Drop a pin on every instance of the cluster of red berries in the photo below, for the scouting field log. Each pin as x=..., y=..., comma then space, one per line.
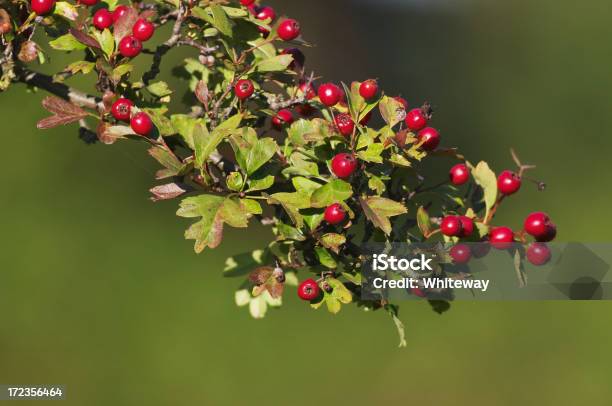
x=140, y=122
x=287, y=30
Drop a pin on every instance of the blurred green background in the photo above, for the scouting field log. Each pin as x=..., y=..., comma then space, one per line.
x=100, y=292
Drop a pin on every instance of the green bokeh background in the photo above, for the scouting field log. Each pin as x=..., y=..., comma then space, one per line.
x=100, y=292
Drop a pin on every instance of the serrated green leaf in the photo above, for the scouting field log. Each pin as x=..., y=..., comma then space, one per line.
x=333, y=241
x=423, y=221
x=106, y=40
x=335, y=191
x=66, y=42
x=325, y=258
x=292, y=203
x=378, y=210
x=66, y=10
x=263, y=150
x=260, y=184
x=276, y=63
x=220, y=20
x=304, y=184
x=80, y=66
x=372, y=153
x=486, y=179
x=120, y=71
x=159, y=89
x=391, y=110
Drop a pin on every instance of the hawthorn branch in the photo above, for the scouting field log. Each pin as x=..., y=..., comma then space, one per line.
x=66, y=92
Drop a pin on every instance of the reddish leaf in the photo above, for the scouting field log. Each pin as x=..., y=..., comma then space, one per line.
x=85, y=39
x=167, y=191
x=201, y=92
x=124, y=25
x=65, y=113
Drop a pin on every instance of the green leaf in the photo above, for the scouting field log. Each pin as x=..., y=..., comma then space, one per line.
x=252, y=206
x=379, y=209
x=355, y=279
x=106, y=40
x=159, y=89
x=120, y=71
x=372, y=153
x=304, y=184
x=290, y=233
x=292, y=203
x=220, y=20
x=215, y=211
x=393, y=312
x=260, y=184
x=80, y=66
x=235, y=181
x=335, y=191
x=66, y=42
x=333, y=241
x=340, y=292
x=66, y=10
x=299, y=130
x=173, y=166
x=162, y=123
x=486, y=179
x=276, y=63
x=391, y=110
x=263, y=150
x=325, y=258
x=235, y=12
x=184, y=125
x=376, y=183
x=205, y=144
x=423, y=221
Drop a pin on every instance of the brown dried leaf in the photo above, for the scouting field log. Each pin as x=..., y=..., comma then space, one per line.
x=65, y=113
x=201, y=92
x=124, y=25
x=84, y=38
x=167, y=191
x=28, y=52
x=261, y=275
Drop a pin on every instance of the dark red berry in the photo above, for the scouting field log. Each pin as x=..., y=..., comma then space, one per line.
x=129, y=46
x=119, y=12
x=102, y=19
x=551, y=233
x=264, y=13
x=143, y=30
x=366, y=119
x=304, y=109
x=329, y=94
x=343, y=165
x=121, y=109
x=501, y=237
x=459, y=174
x=460, y=254
x=335, y=214
x=298, y=58
x=538, y=254
x=430, y=137
x=244, y=89
x=508, y=182
x=42, y=7
x=89, y=2
x=416, y=120
x=288, y=30
x=282, y=118
x=309, y=290
x=141, y=123
x=247, y=2
x=402, y=101
x=536, y=224
x=467, y=226
x=344, y=124
x=417, y=292
x=368, y=89
x=451, y=226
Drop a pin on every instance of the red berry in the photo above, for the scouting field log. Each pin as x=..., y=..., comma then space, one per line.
x=129, y=46
x=102, y=19
x=460, y=254
x=329, y=94
x=430, y=137
x=501, y=238
x=343, y=165
x=538, y=253
x=335, y=214
x=459, y=174
x=288, y=30
x=551, y=233
x=402, y=101
x=536, y=224
x=308, y=90
x=42, y=7
x=247, y=2
x=143, y=29
x=282, y=118
x=304, y=109
x=308, y=290
x=368, y=89
x=244, y=89
x=119, y=12
x=298, y=58
x=451, y=226
x=344, y=123
x=416, y=120
x=467, y=226
x=121, y=109
x=89, y=2
x=141, y=123
x=508, y=182
x=417, y=292
x=264, y=13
